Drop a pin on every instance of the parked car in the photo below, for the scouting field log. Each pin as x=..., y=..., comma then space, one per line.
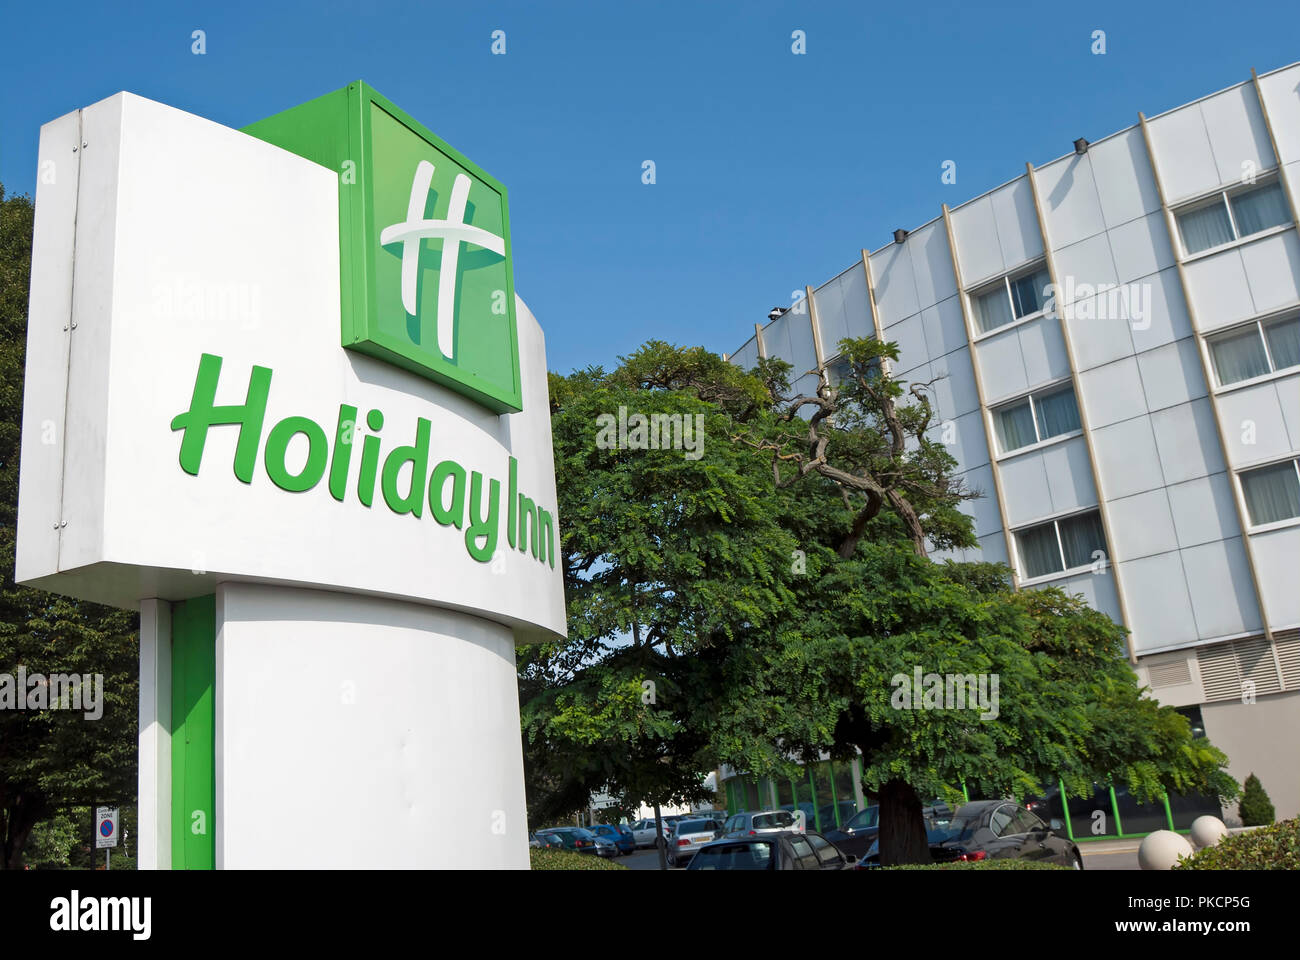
x=544, y=839
x=689, y=835
x=643, y=833
x=785, y=850
x=622, y=838
x=752, y=824
x=575, y=838
x=995, y=829
x=856, y=834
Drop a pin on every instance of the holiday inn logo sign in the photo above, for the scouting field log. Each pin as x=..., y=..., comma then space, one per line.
x=528, y=525
x=424, y=243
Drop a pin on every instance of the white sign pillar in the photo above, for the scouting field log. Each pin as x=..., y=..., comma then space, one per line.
x=333, y=578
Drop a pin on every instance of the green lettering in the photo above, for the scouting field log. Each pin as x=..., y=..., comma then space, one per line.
x=480, y=525
x=418, y=457
x=455, y=513
x=277, y=444
x=343, y=434
x=202, y=414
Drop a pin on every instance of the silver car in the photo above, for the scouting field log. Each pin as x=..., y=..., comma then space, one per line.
x=756, y=823
x=687, y=836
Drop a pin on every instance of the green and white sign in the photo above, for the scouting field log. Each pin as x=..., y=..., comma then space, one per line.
x=424, y=243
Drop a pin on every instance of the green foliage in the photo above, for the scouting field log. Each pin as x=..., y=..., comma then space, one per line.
x=669, y=556
x=50, y=759
x=1255, y=808
x=775, y=590
x=1274, y=847
x=553, y=858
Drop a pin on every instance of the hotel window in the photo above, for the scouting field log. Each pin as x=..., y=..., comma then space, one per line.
x=1272, y=493
x=1060, y=545
x=1014, y=297
x=1263, y=347
x=1229, y=216
x=1037, y=417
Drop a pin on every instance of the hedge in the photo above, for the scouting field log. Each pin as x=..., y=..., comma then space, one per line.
x=1275, y=847
x=554, y=858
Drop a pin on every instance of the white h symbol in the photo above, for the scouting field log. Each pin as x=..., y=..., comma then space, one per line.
x=453, y=232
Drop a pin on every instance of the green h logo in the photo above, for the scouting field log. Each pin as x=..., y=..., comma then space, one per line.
x=424, y=243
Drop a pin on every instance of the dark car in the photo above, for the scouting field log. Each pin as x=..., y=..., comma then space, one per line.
x=772, y=851
x=621, y=836
x=993, y=830
x=856, y=834
x=574, y=838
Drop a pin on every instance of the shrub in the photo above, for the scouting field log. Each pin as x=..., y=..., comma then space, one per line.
x=1275, y=847
x=1255, y=808
x=553, y=858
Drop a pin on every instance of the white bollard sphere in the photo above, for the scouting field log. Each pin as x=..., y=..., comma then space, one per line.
x=1207, y=831
x=1161, y=850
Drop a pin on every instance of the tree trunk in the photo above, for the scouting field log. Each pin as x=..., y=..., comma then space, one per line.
x=902, y=827
x=660, y=844
x=23, y=813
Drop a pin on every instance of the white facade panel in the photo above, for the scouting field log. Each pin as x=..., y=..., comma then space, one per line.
x=1187, y=439
x=1203, y=510
x=931, y=264
x=1157, y=310
x=1127, y=458
x=1238, y=137
x=1288, y=395
x=1219, y=291
x=1272, y=268
x=1069, y=475
x=1017, y=222
x=945, y=327
x=1141, y=526
x=1141, y=247
x=968, y=448
x=1275, y=560
x=1159, y=607
x=1112, y=393
x=1042, y=346
x=1002, y=367
x=1279, y=91
x=909, y=334
x=979, y=251
x=1253, y=426
x=1082, y=267
x=984, y=510
x=1122, y=172
x=1097, y=590
x=1025, y=488
x=1223, y=595
x=1071, y=206
x=1172, y=374
x=1099, y=331
x=1183, y=152
x=956, y=384
x=891, y=272
x=993, y=549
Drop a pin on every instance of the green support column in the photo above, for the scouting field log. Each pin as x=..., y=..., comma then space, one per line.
x=812, y=786
x=194, y=668
x=965, y=794
x=1065, y=811
x=1169, y=814
x=835, y=796
x=1114, y=808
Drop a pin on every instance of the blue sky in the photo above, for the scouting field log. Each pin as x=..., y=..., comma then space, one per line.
x=772, y=169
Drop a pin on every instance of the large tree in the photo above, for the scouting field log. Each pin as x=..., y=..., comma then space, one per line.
x=51, y=760
x=858, y=487
x=672, y=550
